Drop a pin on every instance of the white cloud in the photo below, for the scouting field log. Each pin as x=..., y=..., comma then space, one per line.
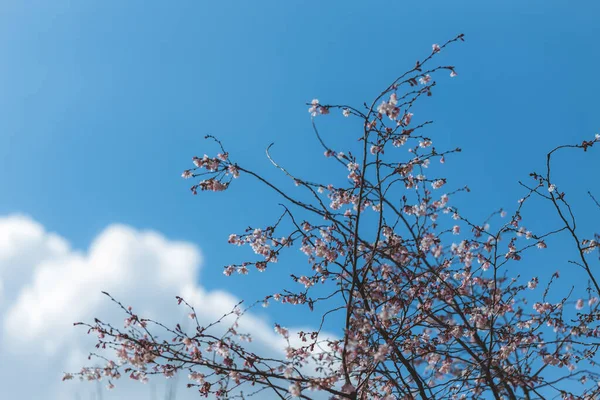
x=66, y=287
x=46, y=286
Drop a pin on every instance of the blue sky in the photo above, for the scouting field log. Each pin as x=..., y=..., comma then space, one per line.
x=103, y=104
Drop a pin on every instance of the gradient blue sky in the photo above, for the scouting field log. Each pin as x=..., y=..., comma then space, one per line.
x=103, y=103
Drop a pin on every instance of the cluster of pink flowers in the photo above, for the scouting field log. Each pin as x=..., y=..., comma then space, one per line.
x=219, y=167
x=390, y=107
x=317, y=109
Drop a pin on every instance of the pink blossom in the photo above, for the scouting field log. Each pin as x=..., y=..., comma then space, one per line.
x=316, y=109
x=229, y=270
x=532, y=284
x=295, y=390
x=282, y=331
x=233, y=170
x=313, y=110
x=376, y=149
x=389, y=107
x=438, y=183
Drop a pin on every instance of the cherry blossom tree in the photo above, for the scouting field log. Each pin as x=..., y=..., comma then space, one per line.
x=428, y=302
